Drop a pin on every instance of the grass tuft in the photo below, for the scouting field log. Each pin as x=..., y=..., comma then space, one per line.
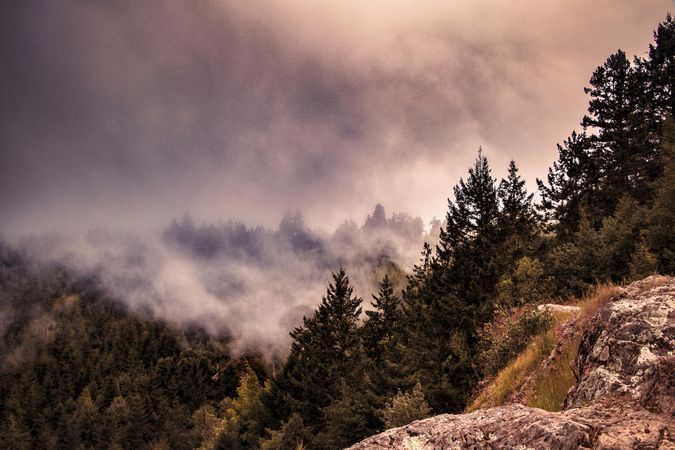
x=513, y=376
x=553, y=384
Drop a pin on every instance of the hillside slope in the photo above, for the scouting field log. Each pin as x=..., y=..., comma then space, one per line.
x=624, y=396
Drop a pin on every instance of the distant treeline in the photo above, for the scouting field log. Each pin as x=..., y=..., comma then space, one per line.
x=105, y=379
x=379, y=239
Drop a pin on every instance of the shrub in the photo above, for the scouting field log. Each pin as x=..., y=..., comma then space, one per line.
x=515, y=374
x=406, y=407
x=503, y=339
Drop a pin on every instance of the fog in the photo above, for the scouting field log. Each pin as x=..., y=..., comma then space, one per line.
x=118, y=117
x=250, y=285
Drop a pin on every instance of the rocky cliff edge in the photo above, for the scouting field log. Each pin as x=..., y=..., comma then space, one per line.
x=624, y=397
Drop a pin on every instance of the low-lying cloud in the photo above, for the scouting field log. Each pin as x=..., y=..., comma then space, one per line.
x=251, y=285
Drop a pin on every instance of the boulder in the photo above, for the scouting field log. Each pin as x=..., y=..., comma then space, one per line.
x=627, y=349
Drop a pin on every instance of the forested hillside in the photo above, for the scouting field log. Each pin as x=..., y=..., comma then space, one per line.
x=81, y=371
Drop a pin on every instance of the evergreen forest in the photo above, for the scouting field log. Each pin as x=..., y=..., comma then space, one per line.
x=81, y=371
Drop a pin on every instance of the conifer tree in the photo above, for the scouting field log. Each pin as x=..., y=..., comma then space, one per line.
x=618, y=239
x=466, y=252
x=661, y=218
x=379, y=328
x=623, y=140
x=449, y=295
x=568, y=184
x=619, y=151
x=659, y=71
x=517, y=212
x=326, y=353
x=377, y=220
x=517, y=223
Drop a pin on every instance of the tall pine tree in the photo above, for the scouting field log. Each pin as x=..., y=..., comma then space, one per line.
x=326, y=357
x=518, y=221
x=466, y=251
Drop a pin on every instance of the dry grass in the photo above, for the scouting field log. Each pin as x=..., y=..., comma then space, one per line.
x=513, y=376
x=590, y=304
x=549, y=385
x=552, y=384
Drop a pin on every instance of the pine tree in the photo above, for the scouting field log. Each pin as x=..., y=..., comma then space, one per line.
x=622, y=143
x=449, y=295
x=326, y=352
x=517, y=212
x=573, y=265
x=378, y=220
x=465, y=256
x=568, y=185
x=619, y=151
x=517, y=225
x=13, y=434
x=382, y=320
x=659, y=71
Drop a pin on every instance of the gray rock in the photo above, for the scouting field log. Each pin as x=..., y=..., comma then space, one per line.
x=552, y=307
x=625, y=396
x=601, y=426
x=627, y=349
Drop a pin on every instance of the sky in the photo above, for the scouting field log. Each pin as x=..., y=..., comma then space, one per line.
x=126, y=114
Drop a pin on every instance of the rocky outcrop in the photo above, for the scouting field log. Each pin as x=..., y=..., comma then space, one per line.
x=602, y=426
x=627, y=349
x=624, y=397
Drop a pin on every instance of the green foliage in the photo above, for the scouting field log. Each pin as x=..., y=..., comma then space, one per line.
x=526, y=284
x=239, y=422
x=617, y=239
x=80, y=372
x=659, y=234
x=568, y=185
x=448, y=294
x=507, y=336
x=14, y=435
x=382, y=321
x=348, y=419
x=642, y=263
x=234, y=422
x=620, y=152
x=326, y=356
x=406, y=407
x=465, y=258
x=518, y=223
x=291, y=436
